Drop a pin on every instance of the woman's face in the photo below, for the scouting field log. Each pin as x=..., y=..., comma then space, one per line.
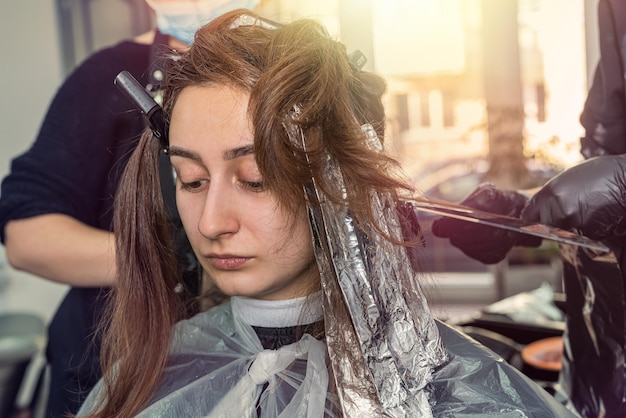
x=245, y=241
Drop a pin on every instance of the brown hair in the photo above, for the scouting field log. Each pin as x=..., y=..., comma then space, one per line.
x=295, y=65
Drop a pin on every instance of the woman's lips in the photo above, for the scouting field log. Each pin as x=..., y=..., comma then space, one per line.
x=227, y=262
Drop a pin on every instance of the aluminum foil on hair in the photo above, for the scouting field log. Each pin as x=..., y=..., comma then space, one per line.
x=394, y=335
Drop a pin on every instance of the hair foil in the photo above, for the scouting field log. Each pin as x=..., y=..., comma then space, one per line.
x=397, y=344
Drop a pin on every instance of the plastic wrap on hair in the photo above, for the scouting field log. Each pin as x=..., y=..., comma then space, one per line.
x=394, y=332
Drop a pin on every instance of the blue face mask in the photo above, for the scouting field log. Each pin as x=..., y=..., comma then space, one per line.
x=181, y=19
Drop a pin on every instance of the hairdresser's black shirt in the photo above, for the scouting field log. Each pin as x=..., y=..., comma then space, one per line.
x=73, y=168
x=604, y=113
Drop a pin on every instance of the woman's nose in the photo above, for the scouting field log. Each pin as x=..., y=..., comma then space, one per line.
x=220, y=215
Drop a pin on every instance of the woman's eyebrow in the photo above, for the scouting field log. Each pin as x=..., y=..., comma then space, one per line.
x=228, y=155
x=175, y=151
x=238, y=152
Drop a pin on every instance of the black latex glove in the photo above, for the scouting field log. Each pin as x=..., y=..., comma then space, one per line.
x=481, y=242
x=590, y=197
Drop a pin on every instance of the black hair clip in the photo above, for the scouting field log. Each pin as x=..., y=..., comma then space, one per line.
x=140, y=98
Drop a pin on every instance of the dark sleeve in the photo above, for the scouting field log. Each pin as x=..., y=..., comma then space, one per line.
x=604, y=112
x=73, y=166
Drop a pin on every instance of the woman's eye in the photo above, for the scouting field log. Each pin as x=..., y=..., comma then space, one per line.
x=254, y=186
x=192, y=186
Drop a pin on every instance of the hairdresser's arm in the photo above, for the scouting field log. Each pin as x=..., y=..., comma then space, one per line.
x=60, y=248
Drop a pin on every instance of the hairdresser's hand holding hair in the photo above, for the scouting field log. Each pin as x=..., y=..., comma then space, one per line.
x=589, y=197
x=484, y=243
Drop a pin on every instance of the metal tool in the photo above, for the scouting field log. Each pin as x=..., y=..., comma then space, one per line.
x=456, y=211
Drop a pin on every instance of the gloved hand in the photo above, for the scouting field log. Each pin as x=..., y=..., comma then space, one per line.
x=590, y=197
x=481, y=242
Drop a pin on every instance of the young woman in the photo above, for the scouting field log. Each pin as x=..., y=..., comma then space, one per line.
x=292, y=210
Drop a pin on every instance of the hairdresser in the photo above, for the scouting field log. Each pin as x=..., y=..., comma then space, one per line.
x=56, y=205
x=589, y=197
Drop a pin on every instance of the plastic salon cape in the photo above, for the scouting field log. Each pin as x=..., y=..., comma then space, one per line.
x=219, y=369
